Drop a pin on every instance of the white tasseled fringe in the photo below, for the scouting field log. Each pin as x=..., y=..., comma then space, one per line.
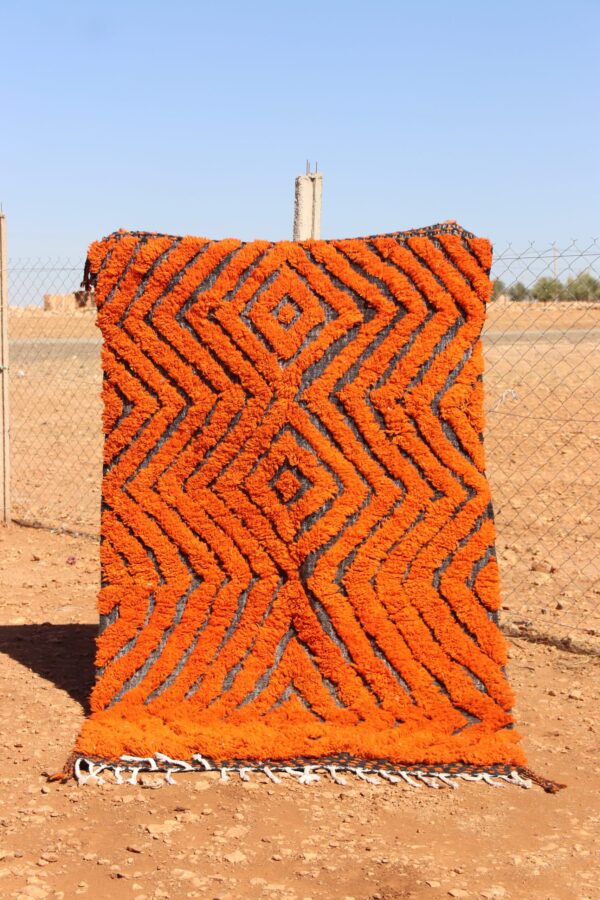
x=87, y=770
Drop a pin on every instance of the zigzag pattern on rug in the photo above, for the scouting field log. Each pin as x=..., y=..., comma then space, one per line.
x=297, y=534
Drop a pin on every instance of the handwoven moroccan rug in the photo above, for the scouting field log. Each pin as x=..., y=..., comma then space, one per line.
x=298, y=563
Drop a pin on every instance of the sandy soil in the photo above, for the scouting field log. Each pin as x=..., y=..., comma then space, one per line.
x=542, y=383
x=234, y=841
x=543, y=410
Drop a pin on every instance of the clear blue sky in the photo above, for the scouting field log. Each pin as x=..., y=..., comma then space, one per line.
x=194, y=117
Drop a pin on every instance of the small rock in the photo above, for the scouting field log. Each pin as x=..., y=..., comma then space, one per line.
x=188, y=817
x=236, y=857
x=167, y=827
x=183, y=874
x=35, y=891
x=236, y=831
x=541, y=578
x=150, y=781
x=202, y=785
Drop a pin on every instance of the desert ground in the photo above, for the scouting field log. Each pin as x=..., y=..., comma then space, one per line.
x=235, y=840
x=206, y=839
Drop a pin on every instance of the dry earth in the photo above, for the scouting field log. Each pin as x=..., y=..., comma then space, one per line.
x=234, y=841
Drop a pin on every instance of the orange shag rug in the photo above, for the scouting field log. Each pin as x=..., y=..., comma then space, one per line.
x=298, y=563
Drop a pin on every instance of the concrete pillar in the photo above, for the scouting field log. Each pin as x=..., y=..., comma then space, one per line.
x=4, y=405
x=307, y=207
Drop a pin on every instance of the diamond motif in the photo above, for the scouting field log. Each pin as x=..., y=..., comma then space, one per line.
x=287, y=312
x=291, y=456
x=287, y=289
x=289, y=481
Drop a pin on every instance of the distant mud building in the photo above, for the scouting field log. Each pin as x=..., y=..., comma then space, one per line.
x=69, y=302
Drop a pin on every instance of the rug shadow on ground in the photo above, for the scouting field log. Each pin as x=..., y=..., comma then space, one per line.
x=62, y=654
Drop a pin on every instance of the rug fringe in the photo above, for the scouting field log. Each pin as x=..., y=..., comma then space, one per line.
x=551, y=787
x=96, y=771
x=68, y=770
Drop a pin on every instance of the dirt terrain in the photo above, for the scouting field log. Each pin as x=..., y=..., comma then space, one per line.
x=205, y=839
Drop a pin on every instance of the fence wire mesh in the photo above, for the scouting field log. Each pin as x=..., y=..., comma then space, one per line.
x=542, y=379
x=55, y=407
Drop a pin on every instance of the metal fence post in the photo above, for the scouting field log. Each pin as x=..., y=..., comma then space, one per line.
x=4, y=381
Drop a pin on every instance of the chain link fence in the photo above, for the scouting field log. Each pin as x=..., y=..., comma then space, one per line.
x=55, y=406
x=542, y=383
x=542, y=380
